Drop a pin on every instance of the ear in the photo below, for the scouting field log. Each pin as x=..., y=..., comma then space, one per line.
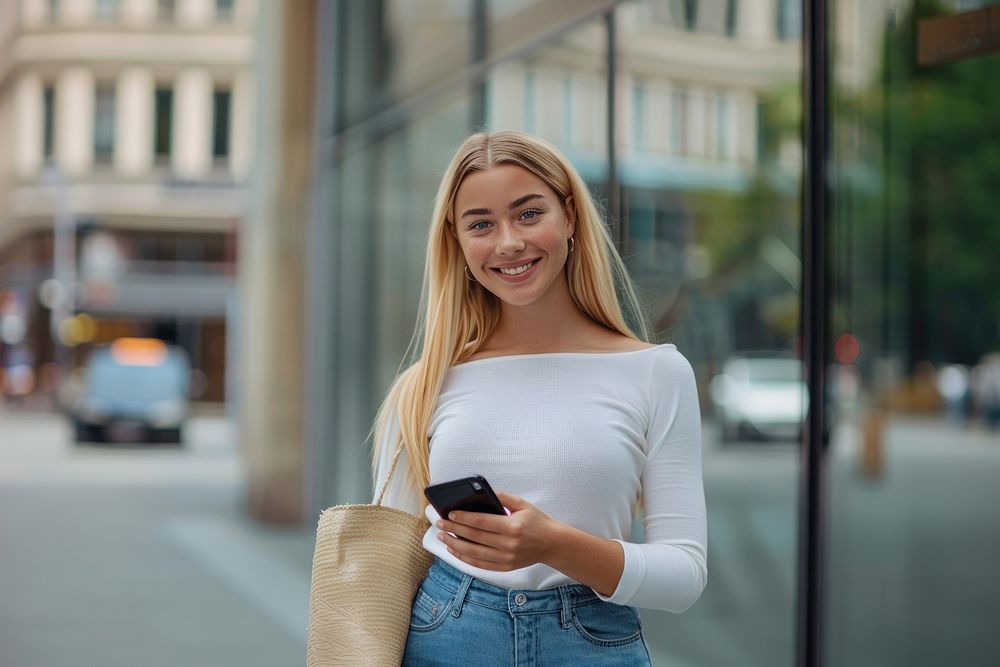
x=570, y=210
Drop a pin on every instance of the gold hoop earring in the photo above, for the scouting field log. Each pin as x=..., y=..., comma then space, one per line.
x=572, y=245
x=469, y=275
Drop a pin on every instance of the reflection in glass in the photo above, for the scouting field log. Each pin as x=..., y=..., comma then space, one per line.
x=709, y=161
x=915, y=458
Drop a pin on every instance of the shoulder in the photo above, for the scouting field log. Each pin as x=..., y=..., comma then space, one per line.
x=670, y=369
x=604, y=340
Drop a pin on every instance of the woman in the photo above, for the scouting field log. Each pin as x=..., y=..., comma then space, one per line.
x=531, y=375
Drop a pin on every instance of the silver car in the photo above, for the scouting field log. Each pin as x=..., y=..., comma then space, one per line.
x=760, y=397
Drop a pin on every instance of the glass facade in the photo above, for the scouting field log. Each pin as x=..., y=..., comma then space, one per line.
x=914, y=335
x=221, y=114
x=163, y=123
x=685, y=118
x=104, y=124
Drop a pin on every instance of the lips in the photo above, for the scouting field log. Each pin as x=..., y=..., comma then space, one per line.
x=514, y=269
x=517, y=277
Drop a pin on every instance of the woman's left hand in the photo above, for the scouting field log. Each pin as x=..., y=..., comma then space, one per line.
x=501, y=543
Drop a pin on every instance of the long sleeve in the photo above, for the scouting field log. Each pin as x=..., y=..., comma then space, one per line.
x=402, y=494
x=669, y=571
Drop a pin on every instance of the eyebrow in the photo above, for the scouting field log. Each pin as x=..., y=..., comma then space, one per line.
x=514, y=204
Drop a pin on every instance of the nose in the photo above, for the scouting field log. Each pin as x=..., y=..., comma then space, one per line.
x=510, y=242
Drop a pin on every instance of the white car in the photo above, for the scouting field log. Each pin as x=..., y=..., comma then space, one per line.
x=760, y=397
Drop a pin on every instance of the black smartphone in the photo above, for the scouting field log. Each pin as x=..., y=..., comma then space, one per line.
x=468, y=494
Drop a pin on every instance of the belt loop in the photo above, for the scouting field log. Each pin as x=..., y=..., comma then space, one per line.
x=566, y=615
x=456, y=609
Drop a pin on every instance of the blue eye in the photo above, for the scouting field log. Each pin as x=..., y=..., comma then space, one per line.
x=476, y=225
x=531, y=214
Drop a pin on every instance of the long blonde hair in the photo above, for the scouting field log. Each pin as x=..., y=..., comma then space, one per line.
x=459, y=314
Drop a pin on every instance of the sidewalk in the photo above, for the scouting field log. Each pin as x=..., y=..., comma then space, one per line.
x=141, y=556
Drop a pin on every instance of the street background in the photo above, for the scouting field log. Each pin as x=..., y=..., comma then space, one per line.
x=119, y=555
x=221, y=207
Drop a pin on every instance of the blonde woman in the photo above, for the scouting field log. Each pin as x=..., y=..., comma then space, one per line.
x=534, y=372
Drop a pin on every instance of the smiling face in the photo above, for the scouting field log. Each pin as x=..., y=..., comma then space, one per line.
x=513, y=230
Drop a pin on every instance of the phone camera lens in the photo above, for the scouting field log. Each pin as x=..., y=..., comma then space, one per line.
x=476, y=486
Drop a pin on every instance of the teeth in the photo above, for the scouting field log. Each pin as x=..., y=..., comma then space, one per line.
x=517, y=270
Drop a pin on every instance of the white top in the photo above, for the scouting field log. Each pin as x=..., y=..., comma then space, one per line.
x=584, y=437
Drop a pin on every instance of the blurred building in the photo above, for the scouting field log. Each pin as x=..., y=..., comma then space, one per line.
x=126, y=130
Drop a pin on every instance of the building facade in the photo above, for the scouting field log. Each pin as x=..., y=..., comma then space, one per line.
x=127, y=130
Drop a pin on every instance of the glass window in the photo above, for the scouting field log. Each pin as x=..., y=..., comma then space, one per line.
x=223, y=10
x=731, y=17
x=561, y=89
x=106, y=9
x=638, y=117
x=48, y=121
x=400, y=49
x=713, y=245
x=678, y=114
x=721, y=134
x=165, y=10
x=163, y=123
x=220, y=123
x=914, y=461
x=790, y=19
x=104, y=124
x=691, y=14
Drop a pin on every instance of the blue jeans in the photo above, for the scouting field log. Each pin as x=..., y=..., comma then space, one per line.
x=460, y=620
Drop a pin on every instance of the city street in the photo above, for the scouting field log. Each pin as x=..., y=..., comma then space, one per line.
x=119, y=555
x=911, y=562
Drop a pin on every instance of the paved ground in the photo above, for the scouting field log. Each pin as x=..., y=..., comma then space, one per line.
x=134, y=556
x=125, y=556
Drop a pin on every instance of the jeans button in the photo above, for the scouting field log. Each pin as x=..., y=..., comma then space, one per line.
x=520, y=599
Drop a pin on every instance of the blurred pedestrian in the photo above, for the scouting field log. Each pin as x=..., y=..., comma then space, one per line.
x=986, y=389
x=534, y=372
x=953, y=385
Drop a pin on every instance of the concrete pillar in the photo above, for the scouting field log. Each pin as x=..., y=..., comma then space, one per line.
x=695, y=138
x=137, y=12
x=74, y=131
x=192, y=129
x=745, y=103
x=272, y=265
x=660, y=110
x=626, y=129
x=241, y=131
x=731, y=149
x=195, y=12
x=34, y=13
x=29, y=125
x=134, y=122
x=76, y=12
x=757, y=20
x=244, y=11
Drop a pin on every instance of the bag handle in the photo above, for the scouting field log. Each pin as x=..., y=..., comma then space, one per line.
x=388, y=478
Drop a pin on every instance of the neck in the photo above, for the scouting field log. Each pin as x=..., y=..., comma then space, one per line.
x=552, y=323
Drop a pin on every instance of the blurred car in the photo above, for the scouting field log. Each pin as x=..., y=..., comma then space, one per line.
x=760, y=397
x=134, y=390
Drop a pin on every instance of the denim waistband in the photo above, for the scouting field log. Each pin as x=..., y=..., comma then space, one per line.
x=468, y=589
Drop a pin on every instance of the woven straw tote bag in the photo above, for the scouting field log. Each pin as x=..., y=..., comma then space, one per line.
x=367, y=566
